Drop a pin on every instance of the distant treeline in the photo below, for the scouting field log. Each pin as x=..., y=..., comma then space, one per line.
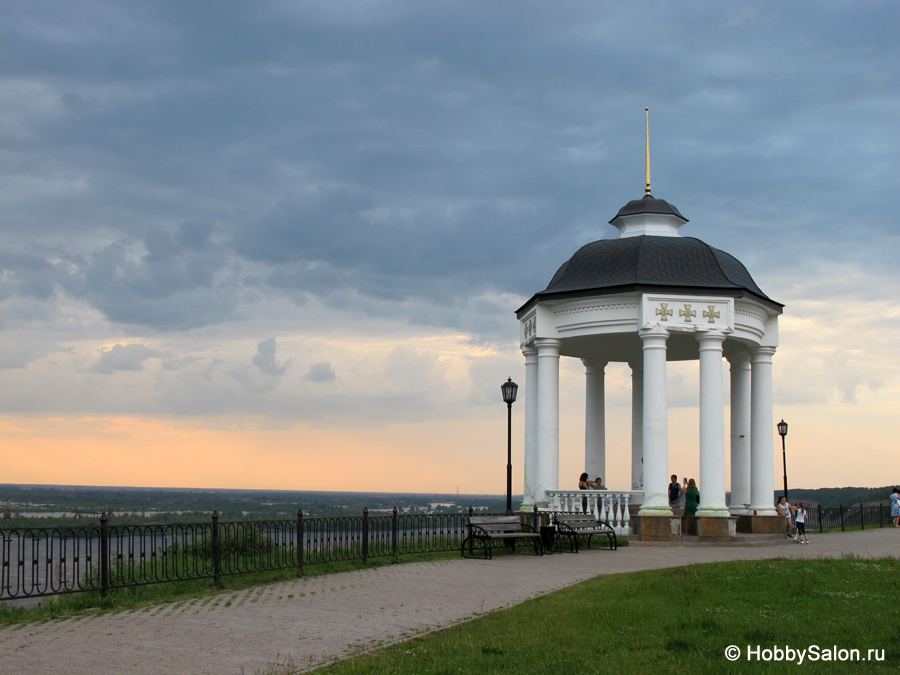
x=169, y=505
x=834, y=497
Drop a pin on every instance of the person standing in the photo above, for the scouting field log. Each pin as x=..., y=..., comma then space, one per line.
x=674, y=491
x=584, y=483
x=800, y=513
x=785, y=509
x=691, y=499
x=895, y=506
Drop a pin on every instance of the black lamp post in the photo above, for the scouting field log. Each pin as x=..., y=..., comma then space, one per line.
x=509, y=389
x=782, y=430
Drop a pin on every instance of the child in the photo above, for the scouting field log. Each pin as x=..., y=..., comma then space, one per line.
x=800, y=521
x=785, y=509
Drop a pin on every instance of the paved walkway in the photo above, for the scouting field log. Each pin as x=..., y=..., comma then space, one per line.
x=319, y=619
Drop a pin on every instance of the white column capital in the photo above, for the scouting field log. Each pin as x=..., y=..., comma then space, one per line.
x=547, y=346
x=592, y=366
x=710, y=339
x=531, y=354
x=653, y=334
x=762, y=354
x=739, y=360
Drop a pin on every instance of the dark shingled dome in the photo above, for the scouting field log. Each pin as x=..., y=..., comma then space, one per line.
x=649, y=204
x=651, y=264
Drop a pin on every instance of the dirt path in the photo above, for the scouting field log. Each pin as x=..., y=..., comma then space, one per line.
x=323, y=618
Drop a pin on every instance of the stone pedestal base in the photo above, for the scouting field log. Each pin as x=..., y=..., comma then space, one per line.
x=710, y=529
x=760, y=524
x=657, y=528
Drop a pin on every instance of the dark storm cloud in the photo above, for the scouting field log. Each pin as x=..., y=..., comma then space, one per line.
x=425, y=153
x=180, y=280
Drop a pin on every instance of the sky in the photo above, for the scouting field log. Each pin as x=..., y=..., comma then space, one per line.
x=280, y=244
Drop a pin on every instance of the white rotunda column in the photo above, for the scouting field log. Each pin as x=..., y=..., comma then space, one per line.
x=637, y=425
x=595, y=418
x=531, y=413
x=740, y=432
x=712, y=426
x=547, y=418
x=655, y=423
x=762, y=462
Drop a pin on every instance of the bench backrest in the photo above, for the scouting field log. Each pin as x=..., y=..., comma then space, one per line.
x=497, y=523
x=577, y=520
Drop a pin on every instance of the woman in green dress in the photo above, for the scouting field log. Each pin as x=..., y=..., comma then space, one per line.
x=691, y=499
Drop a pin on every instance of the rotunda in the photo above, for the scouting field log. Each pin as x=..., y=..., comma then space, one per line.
x=649, y=297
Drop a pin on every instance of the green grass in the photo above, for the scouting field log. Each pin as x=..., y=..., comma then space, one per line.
x=75, y=604
x=669, y=622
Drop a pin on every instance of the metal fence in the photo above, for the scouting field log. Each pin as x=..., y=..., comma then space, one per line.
x=857, y=517
x=57, y=560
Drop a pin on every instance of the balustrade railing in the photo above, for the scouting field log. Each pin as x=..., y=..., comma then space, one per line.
x=610, y=506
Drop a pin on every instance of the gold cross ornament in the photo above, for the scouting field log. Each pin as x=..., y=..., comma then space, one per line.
x=687, y=313
x=712, y=314
x=663, y=311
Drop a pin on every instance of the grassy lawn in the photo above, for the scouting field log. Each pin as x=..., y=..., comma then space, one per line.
x=671, y=621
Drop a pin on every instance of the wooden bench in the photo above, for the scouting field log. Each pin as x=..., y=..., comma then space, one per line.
x=574, y=525
x=488, y=529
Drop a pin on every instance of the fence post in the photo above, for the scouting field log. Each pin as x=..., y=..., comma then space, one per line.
x=104, y=555
x=880, y=515
x=862, y=517
x=471, y=511
x=841, y=507
x=535, y=523
x=217, y=568
x=300, y=546
x=821, y=527
x=394, y=533
x=365, y=536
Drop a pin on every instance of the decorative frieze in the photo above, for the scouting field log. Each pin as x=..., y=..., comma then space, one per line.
x=597, y=308
x=687, y=312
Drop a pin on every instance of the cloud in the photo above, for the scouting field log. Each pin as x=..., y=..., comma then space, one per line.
x=320, y=372
x=123, y=357
x=265, y=361
x=21, y=354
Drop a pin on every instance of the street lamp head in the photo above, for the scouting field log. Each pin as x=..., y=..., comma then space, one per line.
x=509, y=389
x=782, y=428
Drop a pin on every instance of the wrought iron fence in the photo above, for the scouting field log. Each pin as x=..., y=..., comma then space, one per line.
x=53, y=561
x=857, y=517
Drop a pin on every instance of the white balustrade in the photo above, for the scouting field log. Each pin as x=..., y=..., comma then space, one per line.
x=609, y=506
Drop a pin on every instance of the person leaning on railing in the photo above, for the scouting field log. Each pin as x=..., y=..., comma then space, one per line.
x=584, y=483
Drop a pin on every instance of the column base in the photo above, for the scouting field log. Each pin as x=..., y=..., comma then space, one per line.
x=714, y=528
x=527, y=507
x=760, y=524
x=739, y=511
x=762, y=511
x=712, y=512
x=657, y=528
x=662, y=511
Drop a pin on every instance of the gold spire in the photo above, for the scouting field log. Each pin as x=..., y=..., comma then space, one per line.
x=647, y=186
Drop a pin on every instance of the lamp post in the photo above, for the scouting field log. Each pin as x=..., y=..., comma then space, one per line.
x=782, y=430
x=509, y=389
